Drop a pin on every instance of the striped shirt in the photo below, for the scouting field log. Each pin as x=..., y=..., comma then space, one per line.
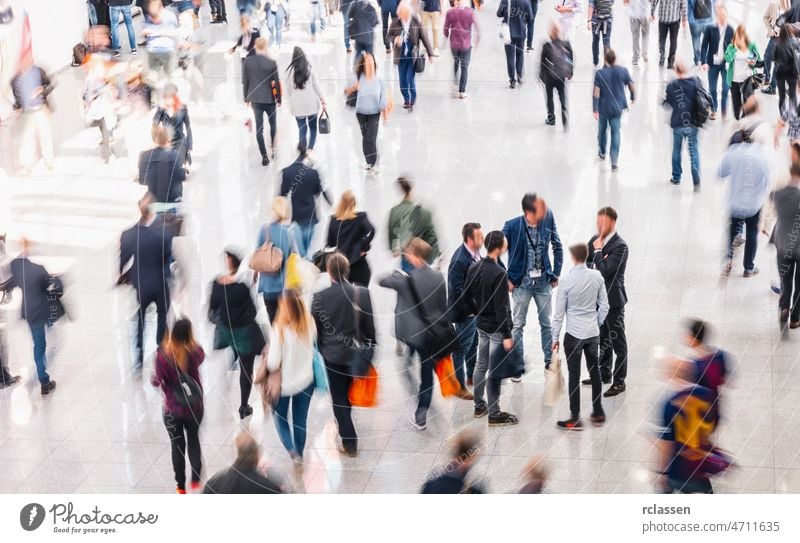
x=669, y=11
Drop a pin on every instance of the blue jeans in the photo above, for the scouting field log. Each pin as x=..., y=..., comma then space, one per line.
x=114, y=13
x=465, y=353
x=678, y=135
x=541, y=292
x=306, y=233
x=600, y=28
x=306, y=125
x=40, y=350
x=316, y=15
x=346, y=24
x=609, y=123
x=408, y=86
x=363, y=45
x=275, y=24
x=487, y=345
x=716, y=72
x=425, y=394
x=751, y=238
x=294, y=437
x=92, y=13
x=696, y=30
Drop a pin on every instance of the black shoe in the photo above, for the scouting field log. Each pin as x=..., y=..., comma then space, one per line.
x=601, y=156
x=350, y=453
x=48, y=388
x=615, y=390
x=570, y=424
x=589, y=381
x=529, y=49
x=768, y=91
x=550, y=122
x=598, y=419
x=481, y=412
x=245, y=411
x=675, y=181
x=265, y=160
x=512, y=84
x=11, y=381
x=418, y=421
x=503, y=419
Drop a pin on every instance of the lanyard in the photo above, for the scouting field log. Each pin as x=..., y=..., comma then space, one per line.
x=535, y=246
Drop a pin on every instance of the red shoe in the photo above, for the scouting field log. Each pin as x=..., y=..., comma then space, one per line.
x=180, y=491
x=195, y=486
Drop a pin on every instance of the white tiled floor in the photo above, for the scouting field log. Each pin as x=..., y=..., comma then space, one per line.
x=102, y=432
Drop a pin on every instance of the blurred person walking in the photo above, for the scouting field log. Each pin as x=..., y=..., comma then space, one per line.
x=453, y=478
x=600, y=19
x=388, y=15
x=786, y=74
x=581, y=301
x=173, y=114
x=741, y=58
x=567, y=12
x=639, y=17
x=556, y=68
x=716, y=39
x=305, y=97
x=535, y=476
x=121, y=9
x=515, y=14
x=786, y=202
x=531, y=25
x=244, y=476
x=161, y=170
x=219, y=13
x=31, y=88
x=277, y=14
x=160, y=32
x=670, y=15
x=609, y=103
x=458, y=24
x=6, y=286
x=246, y=43
x=363, y=20
x=262, y=92
x=177, y=374
x=351, y=233
x=770, y=19
x=431, y=18
x=699, y=14
x=683, y=96
x=409, y=219
x=708, y=365
x=370, y=102
x=406, y=33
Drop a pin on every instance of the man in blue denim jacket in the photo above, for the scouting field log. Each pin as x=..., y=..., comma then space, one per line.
x=530, y=272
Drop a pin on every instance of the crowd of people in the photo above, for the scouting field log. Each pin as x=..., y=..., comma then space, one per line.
x=466, y=326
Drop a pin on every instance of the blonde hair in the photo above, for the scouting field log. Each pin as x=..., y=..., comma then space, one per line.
x=282, y=209
x=346, y=209
x=261, y=44
x=741, y=32
x=292, y=315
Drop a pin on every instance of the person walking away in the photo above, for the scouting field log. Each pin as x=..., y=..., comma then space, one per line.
x=583, y=303
x=485, y=289
x=608, y=254
x=262, y=91
x=770, y=19
x=567, y=12
x=301, y=183
x=161, y=170
x=786, y=74
x=286, y=237
x=173, y=114
x=121, y=9
x=100, y=101
x=177, y=374
x=515, y=14
x=344, y=7
x=789, y=120
x=716, y=38
x=786, y=202
x=453, y=479
x=682, y=96
x=351, y=233
x=406, y=33
x=431, y=15
x=160, y=32
x=699, y=14
x=531, y=274
x=231, y=309
x=363, y=20
x=609, y=103
x=461, y=315
x=670, y=15
x=277, y=14
x=305, y=97
x=741, y=57
x=291, y=352
x=458, y=24
x=707, y=365
x=219, y=13
x=409, y=219
x=639, y=16
x=317, y=19
x=600, y=21
x=371, y=103
x=34, y=282
x=530, y=26
x=339, y=327
x=31, y=88
x=243, y=477
x=388, y=14
x=556, y=68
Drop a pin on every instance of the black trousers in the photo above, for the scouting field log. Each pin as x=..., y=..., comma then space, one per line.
x=787, y=86
x=217, y=8
x=339, y=382
x=246, y=362
x=613, y=341
x=738, y=97
x=515, y=58
x=183, y=434
x=789, y=270
x=573, y=348
x=259, y=110
x=162, y=301
x=272, y=307
x=672, y=29
x=561, y=88
x=386, y=17
x=360, y=272
x=369, y=135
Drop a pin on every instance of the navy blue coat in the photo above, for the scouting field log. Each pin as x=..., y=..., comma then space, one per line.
x=521, y=14
x=33, y=280
x=514, y=231
x=150, y=247
x=710, y=44
x=456, y=276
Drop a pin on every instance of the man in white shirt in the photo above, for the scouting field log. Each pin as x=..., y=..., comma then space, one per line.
x=638, y=11
x=583, y=302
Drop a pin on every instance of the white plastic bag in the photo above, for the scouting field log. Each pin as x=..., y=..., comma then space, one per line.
x=553, y=381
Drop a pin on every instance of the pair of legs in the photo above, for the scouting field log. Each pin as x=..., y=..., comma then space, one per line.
x=717, y=72
x=461, y=58
x=751, y=238
x=531, y=24
x=609, y=124
x=769, y=59
x=218, y=11
x=162, y=301
x=488, y=344
x=346, y=24
x=308, y=130
x=306, y=234
x=688, y=133
x=541, y=292
x=183, y=436
x=317, y=17
x=789, y=272
x=738, y=96
x=106, y=136
x=560, y=87
x=369, y=136
x=600, y=27
x=259, y=110
x=271, y=303
x=787, y=88
x=696, y=30
x=425, y=394
x=573, y=349
x=115, y=12
x=36, y=125
x=246, y=362
x=640, y=30
x=275, y=25
x=432, y=19
x=339, y=381
x=39, y=337
x=293, y=437
x=613, y=341
x=408, y=84
x=515, y=59
x=386, y=18
x=663, y=30
x=464, y=356
x=360, y=272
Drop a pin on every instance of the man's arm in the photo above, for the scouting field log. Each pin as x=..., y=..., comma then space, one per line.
x=558, y=251
x=602, y=303
x=559, y=312
x=610, y=265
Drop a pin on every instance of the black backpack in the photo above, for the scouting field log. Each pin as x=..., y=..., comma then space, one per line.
x=702, y=9
x=559, y=64
x=702, y=105
x=743, y=135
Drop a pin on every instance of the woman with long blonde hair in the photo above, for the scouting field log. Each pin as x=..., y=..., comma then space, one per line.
x=351, y=233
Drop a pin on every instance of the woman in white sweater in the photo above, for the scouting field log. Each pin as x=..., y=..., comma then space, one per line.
x=305, y=97
x=291, y=350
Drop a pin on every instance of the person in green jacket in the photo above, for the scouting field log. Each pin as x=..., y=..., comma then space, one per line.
x=410, y=220
x=741, y=57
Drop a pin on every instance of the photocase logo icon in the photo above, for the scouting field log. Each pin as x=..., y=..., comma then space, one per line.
x=31, y=516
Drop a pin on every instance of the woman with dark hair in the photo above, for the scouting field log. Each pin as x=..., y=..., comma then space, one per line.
x=371, y=101
x=174, y=115
x=785, y=69
x=231, y=309
x=177, y=373
x=305, y=97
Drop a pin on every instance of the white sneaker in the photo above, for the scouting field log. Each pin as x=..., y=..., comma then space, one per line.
x=463, y=95
x=436, y=52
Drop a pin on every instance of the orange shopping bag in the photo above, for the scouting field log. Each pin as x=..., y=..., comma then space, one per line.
x=445, y=371
x=364, y=390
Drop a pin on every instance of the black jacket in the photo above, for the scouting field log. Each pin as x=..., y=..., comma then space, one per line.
x=450, y=483
x=334, y=315
x=163, y=174
x=236, y=480
x=787, y=202
x=180, y=125
x=487, y=292
x=351, y=237
x=681, y=96
x=33, y=280
x=301, y=183
x=456, y=276
x=521, y=13
x=363, y=19
x=259, y=76
x=710, y=43
x=784, y=59
x=611, y=262
x=150, y=248
x=557, y=64
x=250, y=45
x=409, y=325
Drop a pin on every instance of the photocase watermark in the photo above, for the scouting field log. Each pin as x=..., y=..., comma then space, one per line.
x=31, y=516
x=66, y=519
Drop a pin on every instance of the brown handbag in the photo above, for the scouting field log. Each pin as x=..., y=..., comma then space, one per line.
x=270, y=382
x=267, y=258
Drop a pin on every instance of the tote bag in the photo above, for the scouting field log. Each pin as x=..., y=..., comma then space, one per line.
x=553, y=381
x=504, y=31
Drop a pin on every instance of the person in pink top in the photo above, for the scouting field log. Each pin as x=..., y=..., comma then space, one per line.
x=458, y=25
